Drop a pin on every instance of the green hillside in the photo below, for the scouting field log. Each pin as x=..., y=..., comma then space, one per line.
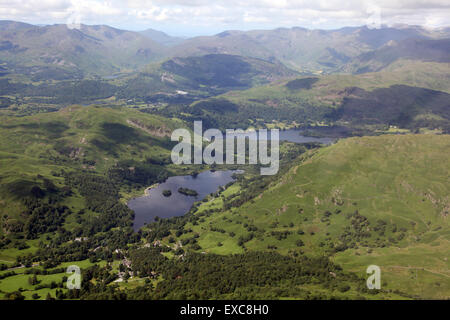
x=372, y=200
x=179, y=80
x=37, y=151
x=409, y=94
x=174, y=81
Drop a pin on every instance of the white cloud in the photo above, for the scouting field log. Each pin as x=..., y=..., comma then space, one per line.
x=226, y=14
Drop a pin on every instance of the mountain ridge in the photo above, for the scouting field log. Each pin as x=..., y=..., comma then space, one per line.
x=104, y=50
x=91, y=50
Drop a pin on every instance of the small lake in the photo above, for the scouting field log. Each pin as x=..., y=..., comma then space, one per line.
x=155, y=204
x=295, y=135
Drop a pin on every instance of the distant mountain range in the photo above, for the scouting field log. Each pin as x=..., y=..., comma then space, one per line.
x=411, y=49
x=162, y=38
x=65, y=52
x=303, y=49
x=59, y=52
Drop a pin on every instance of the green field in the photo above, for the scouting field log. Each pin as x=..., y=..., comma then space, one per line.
x=47, y=284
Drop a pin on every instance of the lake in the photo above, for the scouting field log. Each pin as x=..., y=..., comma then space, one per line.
x=294, y=135
x=155, y=204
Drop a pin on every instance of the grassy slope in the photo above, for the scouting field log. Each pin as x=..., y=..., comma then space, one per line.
x=327, y=90
x=402, y=180
x=379, y=101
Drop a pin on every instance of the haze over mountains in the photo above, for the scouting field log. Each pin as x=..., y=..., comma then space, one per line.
x=303, y=49
x=63, y=52
x=88, y=50
x=162, y=38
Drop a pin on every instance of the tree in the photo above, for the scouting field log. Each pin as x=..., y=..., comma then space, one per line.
x=33, y=280
x=16, y=295
x=37, y=192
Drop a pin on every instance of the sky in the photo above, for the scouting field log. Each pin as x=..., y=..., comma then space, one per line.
x=206, y=17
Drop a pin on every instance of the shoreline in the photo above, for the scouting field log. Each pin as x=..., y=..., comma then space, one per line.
x=147, y=190
x=135, y=195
